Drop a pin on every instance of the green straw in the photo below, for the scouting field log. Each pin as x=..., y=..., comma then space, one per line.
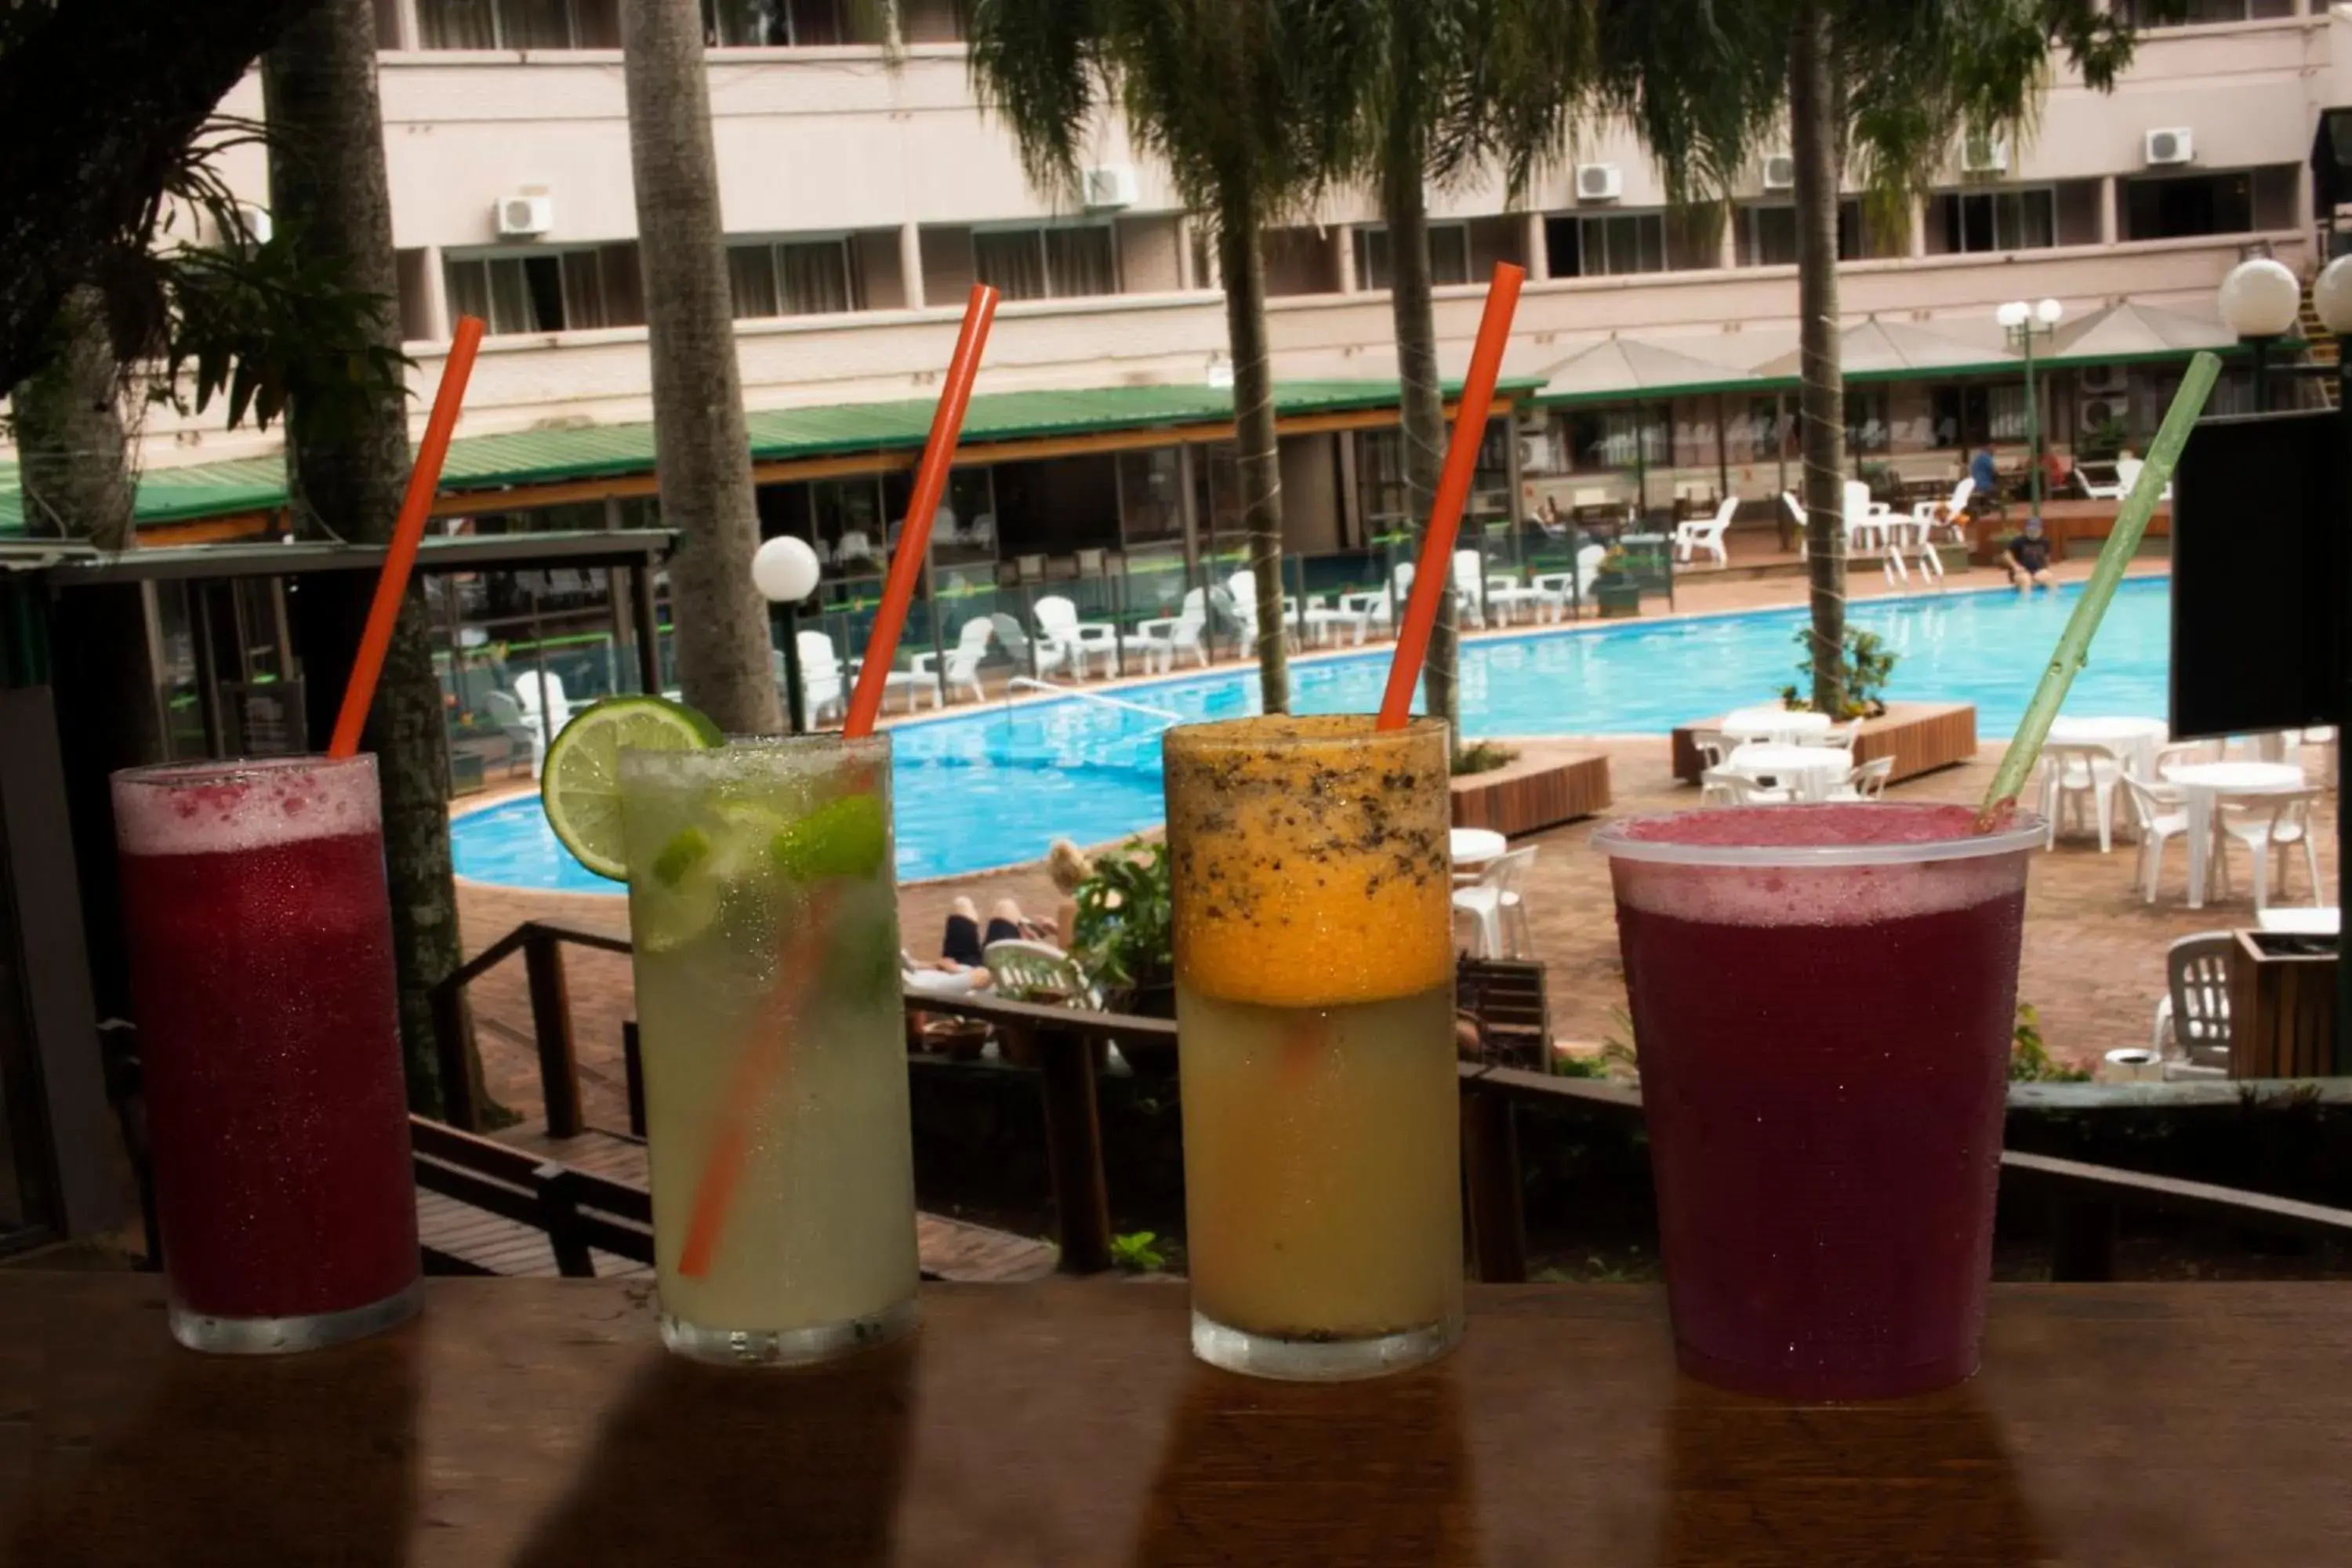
x=2075, y=648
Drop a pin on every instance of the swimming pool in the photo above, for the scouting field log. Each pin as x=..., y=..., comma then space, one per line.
x=993, y=788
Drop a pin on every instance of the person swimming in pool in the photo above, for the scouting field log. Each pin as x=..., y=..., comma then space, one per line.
x=2028, y=559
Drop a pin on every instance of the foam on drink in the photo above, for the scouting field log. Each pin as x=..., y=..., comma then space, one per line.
x=210, y=808
x=1845, y=889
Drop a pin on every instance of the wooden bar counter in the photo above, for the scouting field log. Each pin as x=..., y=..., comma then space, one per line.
x=537, y=1422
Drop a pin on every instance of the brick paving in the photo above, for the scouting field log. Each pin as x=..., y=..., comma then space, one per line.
x=2093, y=959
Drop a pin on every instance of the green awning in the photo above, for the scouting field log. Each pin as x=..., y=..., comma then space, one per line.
x=781, y=435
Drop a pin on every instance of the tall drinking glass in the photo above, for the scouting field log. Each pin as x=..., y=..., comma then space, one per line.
x=1314, y=994
x=1823, y=999
x=268, y=1029
x=764, y=915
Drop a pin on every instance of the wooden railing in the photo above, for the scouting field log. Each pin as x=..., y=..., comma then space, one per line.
x=1064, y=1043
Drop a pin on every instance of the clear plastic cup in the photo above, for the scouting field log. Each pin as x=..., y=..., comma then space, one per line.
x=1823, y=1000
x=764, y=918
x=1314, y=989
x=260, y=939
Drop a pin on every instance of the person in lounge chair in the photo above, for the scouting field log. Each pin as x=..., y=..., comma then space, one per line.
x=2028, y=559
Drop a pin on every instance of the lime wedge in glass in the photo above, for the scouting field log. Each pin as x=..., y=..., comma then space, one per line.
x=580, y=786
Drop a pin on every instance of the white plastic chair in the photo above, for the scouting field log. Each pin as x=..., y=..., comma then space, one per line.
x=1950, y=515
x=516, y=726
x=2158, y=815
x=2127, y=469
x=1048, y=654
x=963, y=660
x=1557, y=586
x=2080, y=776
x=1320, y=620
x=1469, y=577
x=1506, y=594
x=1380, y=614
x=1692, y=537
x=2191, y=1037
x=1721, y=786
x=2266, y=825
x=821, y=687
x=1841, y=738
x=1036, y=972
x=1057, y=622
x=530, y=685
x=1867, y=781
x=1865, y=520
x=1160, y=640
x=1497, y=902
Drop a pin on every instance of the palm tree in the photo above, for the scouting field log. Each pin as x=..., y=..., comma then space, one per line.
x=705, y=452
x=1248, y=103
x=347, y=465
x=1882, y=91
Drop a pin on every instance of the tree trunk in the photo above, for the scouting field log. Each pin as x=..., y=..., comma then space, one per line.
x=1815, y=139
x=96, y=98
x=73, y=459
x=1405, y=206
x=705, y=467
x=1260, y=452
x=74, y=464
x=346, y=473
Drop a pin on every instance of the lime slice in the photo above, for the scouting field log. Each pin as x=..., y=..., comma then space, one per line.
x=844, y=837
x=580, y=786
x=704, y=865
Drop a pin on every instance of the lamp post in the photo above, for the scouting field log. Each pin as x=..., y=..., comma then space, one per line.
x=2332, y=298
x=2025, y=324
x=2260, y=300
x=784, y=570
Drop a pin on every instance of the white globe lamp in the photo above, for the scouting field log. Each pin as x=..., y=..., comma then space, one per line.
x=784, y=570
x=2048, y=311
x=2012, y=315
x=2260, y=299
x=2332, y=295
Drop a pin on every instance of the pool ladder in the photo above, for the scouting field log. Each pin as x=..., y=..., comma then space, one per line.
x=1030, y=683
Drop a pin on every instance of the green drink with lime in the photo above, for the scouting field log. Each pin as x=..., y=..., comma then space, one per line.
x=763, y=914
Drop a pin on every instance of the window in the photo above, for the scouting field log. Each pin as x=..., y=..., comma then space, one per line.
x=518, y=23
x=1978, y=413
x=1066, y=262
x=1867, y=427
x=2236, y=202
x=1449, y=256
x=547, y=290
x=1601, y=440
x=2191, y=13
x=1768, y=234
x=1607, y=245
x=1995, y=220
x=781, y=23
x=792, y=277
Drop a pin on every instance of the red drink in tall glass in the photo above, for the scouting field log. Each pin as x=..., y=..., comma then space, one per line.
x=1823, y=1001
x=261, y=955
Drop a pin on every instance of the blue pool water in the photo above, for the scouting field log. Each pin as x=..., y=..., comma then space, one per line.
x=995, y=787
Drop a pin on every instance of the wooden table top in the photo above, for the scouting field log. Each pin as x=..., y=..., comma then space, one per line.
x=536, y=1422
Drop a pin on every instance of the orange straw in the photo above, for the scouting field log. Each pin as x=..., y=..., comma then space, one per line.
x=423, y=480
x=1434, y=575
x=914, y=537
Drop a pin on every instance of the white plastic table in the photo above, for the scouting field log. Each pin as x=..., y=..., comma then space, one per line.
x=2135, y=741
x=1473, y=846
x=1807, y=773
x=2302, y=923
x=2201, y=783
x=1777, y=724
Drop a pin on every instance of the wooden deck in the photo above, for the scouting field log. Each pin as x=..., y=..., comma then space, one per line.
x=949, y=1248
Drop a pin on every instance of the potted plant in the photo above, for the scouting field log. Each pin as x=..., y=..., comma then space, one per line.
x=1124, y=935
x=1869, y=666
x=1613, y=588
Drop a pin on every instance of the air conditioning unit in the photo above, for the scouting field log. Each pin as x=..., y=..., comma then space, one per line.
x=1598, y=182
x=1985, y=155
x=2173, y=144
x=1108, y=186
x=2100, y=379
x=1780, y=172
x=526, y=214
x=2094, y=412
